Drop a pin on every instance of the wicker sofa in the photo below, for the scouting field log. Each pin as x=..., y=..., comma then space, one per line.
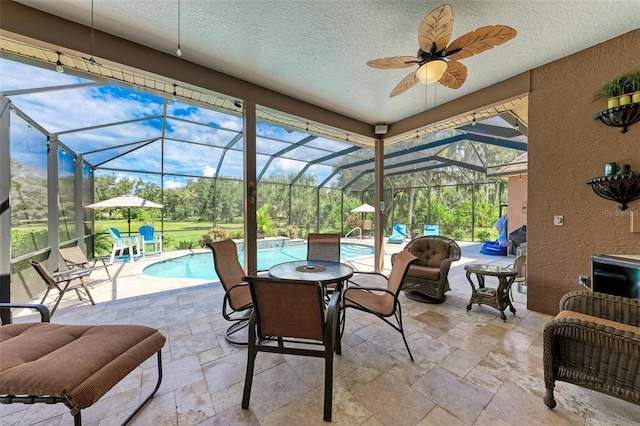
x=594, y=342
x=427, y=279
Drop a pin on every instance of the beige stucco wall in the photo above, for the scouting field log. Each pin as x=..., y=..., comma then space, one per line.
x=566, y=148
x=517, y=204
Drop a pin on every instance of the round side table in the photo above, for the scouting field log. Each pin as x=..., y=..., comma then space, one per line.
x=495, y=297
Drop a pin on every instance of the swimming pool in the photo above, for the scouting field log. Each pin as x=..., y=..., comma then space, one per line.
x=200, y=265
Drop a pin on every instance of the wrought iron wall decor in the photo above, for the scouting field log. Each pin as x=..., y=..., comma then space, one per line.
x=621, y=116
x=621, y=188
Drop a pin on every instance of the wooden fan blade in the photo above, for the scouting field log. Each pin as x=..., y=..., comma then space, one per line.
x=436, y=29
x=484, y=38
x=454, y=76
x=393, y=63
x=405, y=84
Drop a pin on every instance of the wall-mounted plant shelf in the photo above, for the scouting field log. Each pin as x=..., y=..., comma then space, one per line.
x=621, y=116
x=622, y=188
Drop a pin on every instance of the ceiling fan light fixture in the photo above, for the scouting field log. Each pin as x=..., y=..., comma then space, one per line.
x=431, y=71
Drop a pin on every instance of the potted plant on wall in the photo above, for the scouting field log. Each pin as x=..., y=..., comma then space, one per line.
x=620, y=90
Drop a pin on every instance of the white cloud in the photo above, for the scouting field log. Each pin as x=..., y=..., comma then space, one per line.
x=209, y=171
x=172, y=184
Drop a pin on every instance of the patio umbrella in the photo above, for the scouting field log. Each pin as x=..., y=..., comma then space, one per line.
x=365, y=208
x=125, y=201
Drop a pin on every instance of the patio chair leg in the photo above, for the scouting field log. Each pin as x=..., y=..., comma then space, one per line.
x=143, y=403
x=46, y=293
x=399, y=318
x=60, y=296
x=235, y=327
x=328, y=383
x=251, y=359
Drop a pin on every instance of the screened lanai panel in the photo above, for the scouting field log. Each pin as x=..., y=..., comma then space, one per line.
x=205, y=116
x=305, y=153
x=409, y=168
x=29, y=202
x=147, y=185
x=147, y=158
x=463, y=151
x=66, y=195
x=66, y=110
x=232, y=164
x=319, y=171
x=103, y=156
x=286, y=167
x=88, y=141
x=345, y=159
x=362, y=182
x=493, y=155
x=275, y=132
x=13, y=77
x=268, y=146
x=452, y=175
x=87, y=195
x=190, y=159
x=193, y=132
x=329, y=145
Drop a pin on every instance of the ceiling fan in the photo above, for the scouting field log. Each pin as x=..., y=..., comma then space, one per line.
x=438, y=62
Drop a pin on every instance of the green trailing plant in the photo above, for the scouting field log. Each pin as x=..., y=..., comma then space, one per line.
x=618, y=86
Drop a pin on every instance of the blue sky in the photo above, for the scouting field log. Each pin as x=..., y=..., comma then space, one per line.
x=60, y=111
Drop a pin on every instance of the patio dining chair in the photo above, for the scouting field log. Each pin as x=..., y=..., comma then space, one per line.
x=236, y=305
x=61, y=282
x=323, y=247
x=379, y=301
x=289, y=317
x=75, y=258
x=367, y=228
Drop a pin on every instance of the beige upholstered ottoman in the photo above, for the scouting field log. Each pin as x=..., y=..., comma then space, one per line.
x=72, y=364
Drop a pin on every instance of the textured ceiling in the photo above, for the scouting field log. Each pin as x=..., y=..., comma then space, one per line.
x=316, y=51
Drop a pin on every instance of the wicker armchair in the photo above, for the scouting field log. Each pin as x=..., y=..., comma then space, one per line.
x=594, y=342
x=427, y=279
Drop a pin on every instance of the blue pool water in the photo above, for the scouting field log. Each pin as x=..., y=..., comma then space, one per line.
x=200, y=265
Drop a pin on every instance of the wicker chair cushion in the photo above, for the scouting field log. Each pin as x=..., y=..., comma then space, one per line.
x=429, y=252
x=424, y=272
x=600, y=321
x=77, y=362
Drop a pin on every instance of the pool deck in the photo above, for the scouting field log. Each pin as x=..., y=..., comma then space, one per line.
x=470, y=368
x=130, y=283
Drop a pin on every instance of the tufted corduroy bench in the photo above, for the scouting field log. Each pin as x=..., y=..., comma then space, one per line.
x=73, y=364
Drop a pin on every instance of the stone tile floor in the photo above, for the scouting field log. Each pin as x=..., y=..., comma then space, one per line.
x=470, y=368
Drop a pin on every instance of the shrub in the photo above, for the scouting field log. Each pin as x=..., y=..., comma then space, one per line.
x=214, y=234
x=185, y=245
x=292, y=231
x=354, y=221
x=483, y=235
x=457, y=234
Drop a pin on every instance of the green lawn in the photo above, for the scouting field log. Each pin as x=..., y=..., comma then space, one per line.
x=174, y=232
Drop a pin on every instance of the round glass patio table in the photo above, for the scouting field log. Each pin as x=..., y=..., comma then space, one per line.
x=312, y=270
